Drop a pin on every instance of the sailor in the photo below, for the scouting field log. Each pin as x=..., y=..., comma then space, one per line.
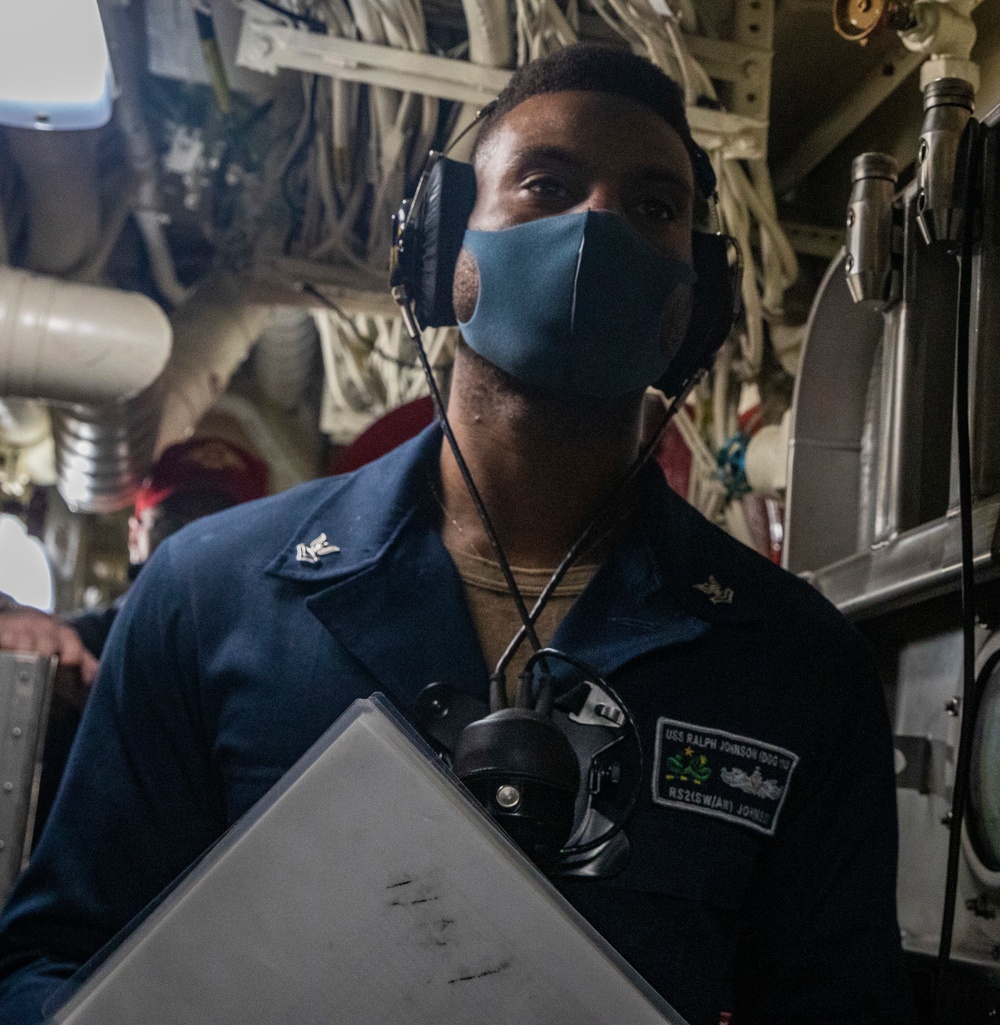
x=190, y=479
x=760, y=885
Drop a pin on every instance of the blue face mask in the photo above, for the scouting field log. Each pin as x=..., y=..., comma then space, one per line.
x=572, y=304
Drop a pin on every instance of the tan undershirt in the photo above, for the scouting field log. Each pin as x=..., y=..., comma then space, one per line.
x=495, y=614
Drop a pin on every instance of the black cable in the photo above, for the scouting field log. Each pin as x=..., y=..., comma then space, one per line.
x=301, y=151
x=576, y=663
x=477, y=500
x=311, y=23
x=970, y=697
x=599, y=520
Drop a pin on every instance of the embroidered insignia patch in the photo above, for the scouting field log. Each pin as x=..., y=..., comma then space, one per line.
x=721, y=774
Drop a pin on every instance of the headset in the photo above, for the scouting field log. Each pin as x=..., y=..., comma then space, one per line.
x=430, y=226
x=562, y=769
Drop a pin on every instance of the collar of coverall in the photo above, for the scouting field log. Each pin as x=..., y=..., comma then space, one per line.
x=674, y=544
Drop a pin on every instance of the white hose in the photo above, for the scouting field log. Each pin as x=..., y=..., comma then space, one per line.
x=214, y=331
x=67, y=342
x=285, y=355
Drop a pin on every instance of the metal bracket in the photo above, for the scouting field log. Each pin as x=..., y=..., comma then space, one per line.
x=268, y=46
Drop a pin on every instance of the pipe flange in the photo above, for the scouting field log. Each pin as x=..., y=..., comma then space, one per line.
x=947, y=66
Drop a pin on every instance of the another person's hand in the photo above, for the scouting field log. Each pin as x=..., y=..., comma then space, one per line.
x=35, y=632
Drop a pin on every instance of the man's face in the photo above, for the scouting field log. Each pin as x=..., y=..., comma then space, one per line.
x=569, y=152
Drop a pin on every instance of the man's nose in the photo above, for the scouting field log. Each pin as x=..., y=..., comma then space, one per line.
x=605, y=197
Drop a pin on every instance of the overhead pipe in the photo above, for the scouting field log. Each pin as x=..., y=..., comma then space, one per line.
x=285, y=356
x=214, y=331
x=67, y=342
x=121, y=392
x=124, y=47
x=491, y=45
x=103, y=452
x=96, y=354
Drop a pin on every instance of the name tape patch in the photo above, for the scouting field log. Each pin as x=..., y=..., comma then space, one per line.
x=722, y=774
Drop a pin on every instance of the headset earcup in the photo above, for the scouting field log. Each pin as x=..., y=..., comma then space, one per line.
x=715, y=308
x=448, y=199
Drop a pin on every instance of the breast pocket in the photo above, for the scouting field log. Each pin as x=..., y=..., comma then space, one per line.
x=674, y=912
x=690, y=855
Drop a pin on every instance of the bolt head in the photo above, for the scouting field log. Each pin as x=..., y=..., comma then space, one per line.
x=508, y=797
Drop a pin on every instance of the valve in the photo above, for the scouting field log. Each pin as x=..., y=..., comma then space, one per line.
x=858, y=20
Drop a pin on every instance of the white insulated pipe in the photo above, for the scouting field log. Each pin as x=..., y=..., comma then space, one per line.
x=490, y=43
x=214, y=331
x=286, y=355
x=77, y=343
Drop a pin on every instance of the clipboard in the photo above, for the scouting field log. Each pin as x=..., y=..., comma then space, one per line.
x=366, y=888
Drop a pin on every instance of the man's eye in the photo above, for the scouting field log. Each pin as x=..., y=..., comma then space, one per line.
x=656, y=210
x=544, y=187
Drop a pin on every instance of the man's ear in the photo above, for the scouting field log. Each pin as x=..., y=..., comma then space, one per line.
x=465, y=293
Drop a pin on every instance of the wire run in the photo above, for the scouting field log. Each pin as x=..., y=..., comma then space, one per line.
x=970, y=695
x=600, y=520
x=528, y=625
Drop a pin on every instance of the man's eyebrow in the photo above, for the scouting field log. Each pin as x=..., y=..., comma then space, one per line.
x=661, y=176
x=550, y=153
x=655, y=174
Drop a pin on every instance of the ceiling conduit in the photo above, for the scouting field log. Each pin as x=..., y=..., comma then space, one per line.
x=59, y=170
x=286, y=356
x=94, y=353
x=214, y=331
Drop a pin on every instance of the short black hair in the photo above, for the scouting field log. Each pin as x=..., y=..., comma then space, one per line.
x=595, y=67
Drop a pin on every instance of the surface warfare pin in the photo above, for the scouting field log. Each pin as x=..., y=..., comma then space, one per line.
x=317, y=547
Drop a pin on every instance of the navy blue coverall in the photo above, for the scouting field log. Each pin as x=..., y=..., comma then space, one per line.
x=762, y=875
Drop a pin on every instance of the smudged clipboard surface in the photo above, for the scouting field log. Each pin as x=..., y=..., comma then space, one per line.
x=365, y=887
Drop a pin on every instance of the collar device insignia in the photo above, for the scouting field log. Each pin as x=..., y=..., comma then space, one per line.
x=715, y=592
x=312, y=552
